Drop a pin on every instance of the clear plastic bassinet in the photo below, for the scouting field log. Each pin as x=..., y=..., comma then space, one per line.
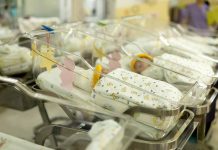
x=127, y=37
x=94, y=87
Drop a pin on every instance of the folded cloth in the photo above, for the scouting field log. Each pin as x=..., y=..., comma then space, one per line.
x=106, y=135
x=13, y=57
x=147, y=92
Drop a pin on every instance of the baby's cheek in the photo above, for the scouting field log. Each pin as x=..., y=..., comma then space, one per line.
x=140, y=66
x=145, y=66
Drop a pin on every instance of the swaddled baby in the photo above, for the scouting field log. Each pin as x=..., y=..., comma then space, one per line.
x=190, y=70
x=14, y=59
x=118, y=91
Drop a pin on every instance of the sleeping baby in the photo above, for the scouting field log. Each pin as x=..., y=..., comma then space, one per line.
x=192, y=69
x=166, y=67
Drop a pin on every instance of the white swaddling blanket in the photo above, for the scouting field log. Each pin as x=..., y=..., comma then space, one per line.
x=106, y=135
x=154, y=94
x=195, y=70
x=14, y=59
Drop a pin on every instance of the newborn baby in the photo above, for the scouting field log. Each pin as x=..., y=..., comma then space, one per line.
x=192, y=70
x=14, y=59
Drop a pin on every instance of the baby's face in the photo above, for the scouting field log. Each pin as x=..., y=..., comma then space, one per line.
x=140, y=66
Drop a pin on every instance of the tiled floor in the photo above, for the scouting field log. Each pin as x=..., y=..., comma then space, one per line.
x=22, y=123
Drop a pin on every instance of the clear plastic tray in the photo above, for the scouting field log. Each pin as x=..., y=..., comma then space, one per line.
x=83, y=94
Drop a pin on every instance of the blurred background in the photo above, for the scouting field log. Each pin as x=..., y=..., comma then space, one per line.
x=13, y=11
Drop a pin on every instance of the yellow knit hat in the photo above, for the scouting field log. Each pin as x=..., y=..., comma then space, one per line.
x=144, y=55
x=96, y=75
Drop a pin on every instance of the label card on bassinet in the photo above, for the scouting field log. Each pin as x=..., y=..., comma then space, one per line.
x=45, y=55
x=47, y=59
x=67, y=75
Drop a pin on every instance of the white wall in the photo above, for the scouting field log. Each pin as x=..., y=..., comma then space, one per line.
x=41, y=8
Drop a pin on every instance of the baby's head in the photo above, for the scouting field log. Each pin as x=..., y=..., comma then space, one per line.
x=139, y=66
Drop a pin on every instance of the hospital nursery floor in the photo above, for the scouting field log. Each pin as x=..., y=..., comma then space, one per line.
x=22, y=124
